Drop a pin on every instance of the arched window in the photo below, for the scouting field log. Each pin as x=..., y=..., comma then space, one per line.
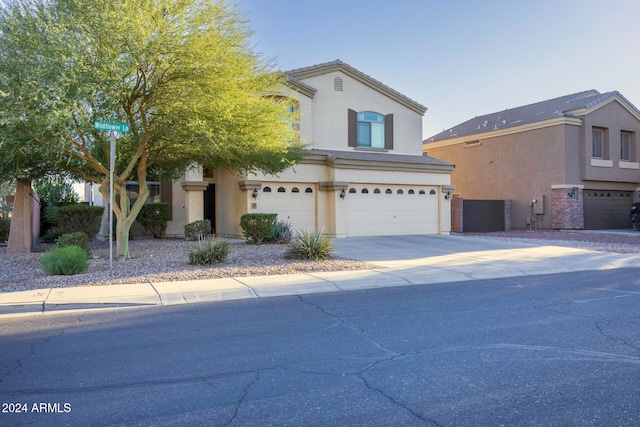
x=400, y=191
x=266, y=190
x=376, y=191
x=365, y=191
x=388, y=191
x=308, y=190
x=295, y=190
x=432, y=192
x=422, y=192
x=411, y=191
x=281, y=190
x=352, y=190
x=370, y=129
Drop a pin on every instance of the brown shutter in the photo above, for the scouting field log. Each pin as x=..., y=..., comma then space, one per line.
x=388, y=131
x=166, y=195
x=353, y=129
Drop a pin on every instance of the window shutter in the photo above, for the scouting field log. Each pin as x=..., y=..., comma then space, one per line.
x=166, y=195
x=353, y=128
x=388, y=131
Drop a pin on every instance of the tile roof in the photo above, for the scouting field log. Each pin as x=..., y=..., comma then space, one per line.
x=338, y=65
x=379, y=157
x=564, y=106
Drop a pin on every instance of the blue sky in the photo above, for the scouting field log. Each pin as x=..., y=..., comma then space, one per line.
x=460, y=58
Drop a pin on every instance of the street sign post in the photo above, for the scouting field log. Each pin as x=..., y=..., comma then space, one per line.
x=112, y=128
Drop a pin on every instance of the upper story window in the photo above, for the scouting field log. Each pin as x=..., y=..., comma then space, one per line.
x=599, y=144
x=627, y=152
x=370, y=129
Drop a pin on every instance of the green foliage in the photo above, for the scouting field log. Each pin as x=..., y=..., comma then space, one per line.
x=182, y=74
x=73, y=239
x=51, y=235
x=258, y=227
x=5, y=226
x=153, y=217
x=67, y=260
x=53, y=193
x=6, y=190
x=209, y=251
x=311, y=246
x=283, y=233
x=83, y=218
x=197, y=229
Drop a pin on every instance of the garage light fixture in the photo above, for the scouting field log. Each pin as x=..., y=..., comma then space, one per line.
x=447, y=196
x=255, y=193
x=343, y=194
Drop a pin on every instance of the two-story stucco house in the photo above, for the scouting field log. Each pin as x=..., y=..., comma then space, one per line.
x=565, y=163
x=365, y=175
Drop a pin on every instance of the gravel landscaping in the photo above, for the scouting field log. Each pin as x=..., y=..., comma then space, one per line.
x=166, y=260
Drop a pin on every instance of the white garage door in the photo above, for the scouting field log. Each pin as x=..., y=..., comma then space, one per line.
x=392, y=210
x=294, y=203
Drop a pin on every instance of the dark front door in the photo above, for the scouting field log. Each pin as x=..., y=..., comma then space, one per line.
x=210, y=205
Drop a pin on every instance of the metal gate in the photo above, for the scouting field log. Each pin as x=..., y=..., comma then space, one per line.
x=607, y=209
x=482, y=216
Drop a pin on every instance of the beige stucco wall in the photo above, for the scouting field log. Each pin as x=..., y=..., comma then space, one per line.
x=328, y=115
x=516, y=167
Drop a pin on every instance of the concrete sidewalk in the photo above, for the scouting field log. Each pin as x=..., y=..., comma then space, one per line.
x=407, y=260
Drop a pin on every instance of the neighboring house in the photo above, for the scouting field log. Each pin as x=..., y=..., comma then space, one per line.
x=365, y=174
x=576, y=156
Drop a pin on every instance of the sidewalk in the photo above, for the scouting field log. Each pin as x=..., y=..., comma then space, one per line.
x=407, y=260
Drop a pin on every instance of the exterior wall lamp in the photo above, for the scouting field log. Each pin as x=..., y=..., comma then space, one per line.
x=343, y=194
x=255, y=193
x=447, y=196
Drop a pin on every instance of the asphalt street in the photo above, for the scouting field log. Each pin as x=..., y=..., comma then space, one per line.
x=548, y=350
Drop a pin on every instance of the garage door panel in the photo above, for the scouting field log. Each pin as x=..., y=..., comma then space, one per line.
x=297, y=208
x=605, y=209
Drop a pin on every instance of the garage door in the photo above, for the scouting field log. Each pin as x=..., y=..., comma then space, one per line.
x=295, y=203
x=606, y=209
x=391, y=210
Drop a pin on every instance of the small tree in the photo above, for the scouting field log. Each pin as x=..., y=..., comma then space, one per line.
x=182, y=74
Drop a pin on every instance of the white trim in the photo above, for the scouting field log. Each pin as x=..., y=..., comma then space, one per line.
x=600, y=163
x=628, y=165
x=566, y=186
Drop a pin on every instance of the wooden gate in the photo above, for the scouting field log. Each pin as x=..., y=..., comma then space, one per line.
x=482, y=216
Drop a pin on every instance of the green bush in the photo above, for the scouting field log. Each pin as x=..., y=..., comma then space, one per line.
x=73, y=239
x=51, y=235
x=312, y=246
x=197, y=229
x=283, y=233
x=257, y=228
x=83, y=218
x=154, y=217
x=53, y=192
x=5, y=225
x=209, y=251
x=68, y=260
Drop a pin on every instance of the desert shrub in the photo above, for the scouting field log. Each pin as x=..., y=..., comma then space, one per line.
x=53, y=193
x=282, y=234
x=209, y=251
x=83, y=218
x=311, y=246
x=51, y=235
x=5, y=225
x=257, y=228
x=73, y=239
x=154, y=217
x=197, y=229
x=68, y=260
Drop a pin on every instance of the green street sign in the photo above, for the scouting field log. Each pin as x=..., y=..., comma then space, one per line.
x=118, y=127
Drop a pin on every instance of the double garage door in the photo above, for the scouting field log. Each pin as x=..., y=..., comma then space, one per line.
x=370, y=210
x=391, y=210
x=607, y=209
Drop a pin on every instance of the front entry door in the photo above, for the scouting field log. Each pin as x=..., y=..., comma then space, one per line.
x=210, y=205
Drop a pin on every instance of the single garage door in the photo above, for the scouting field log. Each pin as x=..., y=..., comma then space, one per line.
x=294, y=203
x=606, y=209
x=391, y=210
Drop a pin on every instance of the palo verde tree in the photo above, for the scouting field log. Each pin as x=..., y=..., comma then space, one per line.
x=181, y=73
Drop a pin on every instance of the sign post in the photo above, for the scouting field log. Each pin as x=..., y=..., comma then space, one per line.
x=112, y=128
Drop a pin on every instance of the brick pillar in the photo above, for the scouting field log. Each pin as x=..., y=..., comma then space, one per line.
x=567, y=207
